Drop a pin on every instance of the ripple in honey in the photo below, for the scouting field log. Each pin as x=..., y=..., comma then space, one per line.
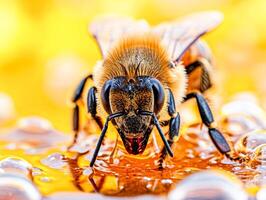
x=39, y=152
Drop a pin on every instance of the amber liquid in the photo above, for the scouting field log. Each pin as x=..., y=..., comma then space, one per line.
x=117, y=173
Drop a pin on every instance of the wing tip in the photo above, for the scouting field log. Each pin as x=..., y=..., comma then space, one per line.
x=216, y=15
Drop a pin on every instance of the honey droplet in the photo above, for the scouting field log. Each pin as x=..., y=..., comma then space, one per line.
x=34, y=135
x=17, y=188
x=242, y=115
x=54, y=161
x=16, y=166
x=35, y=125
x=208, y=185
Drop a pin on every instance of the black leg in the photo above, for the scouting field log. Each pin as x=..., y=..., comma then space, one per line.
x=75, y=124
x=166, y=144
x=207, y=118
x=76, y=97
x=92, y=106
x=157, y=124
x=174, y=122
x=205, y=82
x=99, y=143
x=80, y=88
x=174, y=125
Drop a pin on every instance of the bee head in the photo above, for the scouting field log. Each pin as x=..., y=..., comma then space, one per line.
x=131, y=96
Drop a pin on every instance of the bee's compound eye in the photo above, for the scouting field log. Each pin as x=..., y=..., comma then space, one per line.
x=158, y=92
x=105, y=96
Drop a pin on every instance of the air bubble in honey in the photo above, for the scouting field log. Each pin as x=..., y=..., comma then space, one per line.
x=54, y=161
x=16, y=166
x=17, y=188
x=242, y=115
x=34, y=134
x=208, y=185
x=246, y=107
x=34, y=125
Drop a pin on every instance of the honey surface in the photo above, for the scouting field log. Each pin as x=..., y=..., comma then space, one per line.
x=54, y=169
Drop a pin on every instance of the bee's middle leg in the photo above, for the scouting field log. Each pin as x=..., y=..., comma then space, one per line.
x=174, y=126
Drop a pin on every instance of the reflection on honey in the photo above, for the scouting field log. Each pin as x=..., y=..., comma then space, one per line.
x=34, y=150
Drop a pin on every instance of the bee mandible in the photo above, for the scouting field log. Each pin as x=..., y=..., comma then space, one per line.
x=145, y=73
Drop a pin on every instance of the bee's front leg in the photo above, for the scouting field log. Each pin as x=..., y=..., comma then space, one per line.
x=92, y=106
x=174, y=126
x=100, y=140
x=207, y=118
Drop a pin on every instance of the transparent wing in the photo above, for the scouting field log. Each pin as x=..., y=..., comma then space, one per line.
x=178, y=36
x=108, y=30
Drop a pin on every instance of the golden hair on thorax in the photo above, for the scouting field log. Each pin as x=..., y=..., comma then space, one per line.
x=141, y=55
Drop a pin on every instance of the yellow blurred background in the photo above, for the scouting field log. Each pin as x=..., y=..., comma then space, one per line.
x=45, y=47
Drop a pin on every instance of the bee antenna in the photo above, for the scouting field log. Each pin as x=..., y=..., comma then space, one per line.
x=137, y=68
x=124, y=68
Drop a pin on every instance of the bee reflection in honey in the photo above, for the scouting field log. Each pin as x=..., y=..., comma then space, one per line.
x=145, y=73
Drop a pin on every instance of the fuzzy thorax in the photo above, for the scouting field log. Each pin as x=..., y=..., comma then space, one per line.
x=141, y=56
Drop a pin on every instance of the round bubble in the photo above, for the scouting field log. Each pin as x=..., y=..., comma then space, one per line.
x=16, y=166
x=55, y=161
x=17, y=188
x=34, y=125
x=34, y=135
x=245, y=106
x=242, y=115
x=208, y=185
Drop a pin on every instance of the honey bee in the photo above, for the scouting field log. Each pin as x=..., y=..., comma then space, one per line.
x=145, y=73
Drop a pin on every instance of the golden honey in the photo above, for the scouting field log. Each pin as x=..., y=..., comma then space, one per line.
x=52, y=168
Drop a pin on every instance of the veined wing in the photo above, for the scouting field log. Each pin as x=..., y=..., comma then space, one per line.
x=178, y=36
x=108, y=30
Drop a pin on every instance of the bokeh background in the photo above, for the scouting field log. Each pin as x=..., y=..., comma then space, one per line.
x=45, y=47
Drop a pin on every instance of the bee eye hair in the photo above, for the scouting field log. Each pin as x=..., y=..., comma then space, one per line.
x=158, y=93
x=105, y=96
